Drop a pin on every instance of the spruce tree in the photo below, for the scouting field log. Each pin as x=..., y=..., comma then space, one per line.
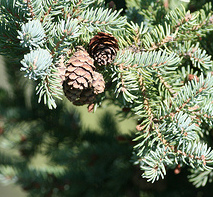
x=151, y=59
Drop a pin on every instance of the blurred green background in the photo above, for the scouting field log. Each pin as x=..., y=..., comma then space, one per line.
x=11, y=191
x=88, y=119
x=8, y=190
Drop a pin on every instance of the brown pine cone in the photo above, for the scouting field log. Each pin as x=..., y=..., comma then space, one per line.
x=103, y=48
x=79, y=74
x=98, y=83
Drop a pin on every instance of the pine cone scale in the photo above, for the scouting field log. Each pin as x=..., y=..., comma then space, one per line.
x=90, y=62
x=80, y=71
x=77, y=63
x=87, y=67
x=69, y=69
x=82, y=81
x=88, y=76
x=73, y=76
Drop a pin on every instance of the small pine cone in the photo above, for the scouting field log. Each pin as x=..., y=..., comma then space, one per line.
x=103, y=48
x=79, y=74
x=98, y=83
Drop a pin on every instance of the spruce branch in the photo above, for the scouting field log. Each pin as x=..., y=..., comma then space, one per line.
x=185, y=99
x=177, y=141
x=197, y=56
x=136, y=32
x=178, y=25
x=160, y=151
x=101, y=19
x=37, y=64
x=200, y=178
x=156, y=63
x=13, y=11
x=65, y=33
x=194, y=91
x=186, y=24
x=39, y=9
x=30, y=8
x=158, y=37
x=50, y=88
x=32, y=34
x=151, y=12
x=11, y=16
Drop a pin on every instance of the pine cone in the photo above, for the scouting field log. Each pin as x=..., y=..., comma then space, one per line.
x=98, y=83
x=103, y=48
x=79, y=74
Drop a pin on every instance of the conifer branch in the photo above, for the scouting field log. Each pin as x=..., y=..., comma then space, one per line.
x=30, y=7
x=153, y=66
x=102, y=18
x=200, y=178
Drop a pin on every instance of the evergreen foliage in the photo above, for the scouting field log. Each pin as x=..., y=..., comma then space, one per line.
x=161, y=76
